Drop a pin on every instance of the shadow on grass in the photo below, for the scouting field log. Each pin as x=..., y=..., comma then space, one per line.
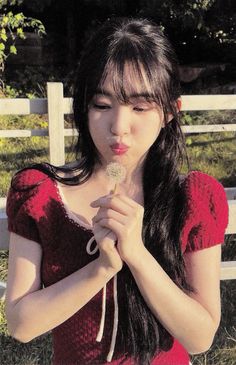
x=26, y=158
x=36, y=352
x=223, y=351
x=21, y=155
x=229, y=181
x=209, y=142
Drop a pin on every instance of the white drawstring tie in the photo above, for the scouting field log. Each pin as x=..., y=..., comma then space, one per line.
x=116, y=309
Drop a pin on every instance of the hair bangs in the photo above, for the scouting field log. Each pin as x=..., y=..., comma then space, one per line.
x=129, y=79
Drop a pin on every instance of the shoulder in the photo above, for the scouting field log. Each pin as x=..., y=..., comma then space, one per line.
x=28, y=190
x=206, y=210
x=25, y=202
x=27, y=178
x=199, y=182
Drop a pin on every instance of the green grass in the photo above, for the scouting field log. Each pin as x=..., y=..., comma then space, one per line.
x=223, y=351
x=16, y=153
x=213, y=153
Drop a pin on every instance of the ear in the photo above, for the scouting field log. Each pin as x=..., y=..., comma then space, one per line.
x=178, y=105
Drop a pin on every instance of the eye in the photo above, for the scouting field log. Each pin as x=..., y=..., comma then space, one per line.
x=139, y=109
x=101, y=106
x=143, y=107
x=100, y=102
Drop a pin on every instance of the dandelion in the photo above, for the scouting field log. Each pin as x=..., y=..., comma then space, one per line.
x=116, y=173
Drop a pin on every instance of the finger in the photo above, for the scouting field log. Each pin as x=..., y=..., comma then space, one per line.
x=111, y=236
x=109, y=213
x=112, y=224
x=116, y=202
x=134, y=207
x=97, y=229
x=93, y=203
x=101, y=233
x=132, y=203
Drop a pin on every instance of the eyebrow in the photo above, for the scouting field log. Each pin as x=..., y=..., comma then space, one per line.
x=134, y=95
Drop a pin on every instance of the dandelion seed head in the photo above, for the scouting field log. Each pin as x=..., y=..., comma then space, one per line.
x=116, y=172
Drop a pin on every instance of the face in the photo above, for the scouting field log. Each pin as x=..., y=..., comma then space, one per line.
x=124, y=132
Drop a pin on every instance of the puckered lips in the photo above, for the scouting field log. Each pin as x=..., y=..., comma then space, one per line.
x=119, y=148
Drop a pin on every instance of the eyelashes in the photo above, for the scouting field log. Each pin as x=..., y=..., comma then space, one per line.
x=101, y=106
x=136, y=108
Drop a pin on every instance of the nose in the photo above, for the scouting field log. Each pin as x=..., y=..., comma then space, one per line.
x=120, y=123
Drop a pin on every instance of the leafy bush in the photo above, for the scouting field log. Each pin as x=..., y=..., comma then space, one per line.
x=12, y=26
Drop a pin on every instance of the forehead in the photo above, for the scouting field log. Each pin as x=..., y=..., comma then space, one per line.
x=128, y=82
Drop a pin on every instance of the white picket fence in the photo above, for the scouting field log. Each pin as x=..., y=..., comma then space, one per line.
x=56, y=106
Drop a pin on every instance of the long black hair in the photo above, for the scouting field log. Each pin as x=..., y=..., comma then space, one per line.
x=143, y=46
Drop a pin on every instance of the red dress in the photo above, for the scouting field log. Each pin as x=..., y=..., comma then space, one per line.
x=39, y=214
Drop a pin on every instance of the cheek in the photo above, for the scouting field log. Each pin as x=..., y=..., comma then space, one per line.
x=151, y=128
x=98, y=132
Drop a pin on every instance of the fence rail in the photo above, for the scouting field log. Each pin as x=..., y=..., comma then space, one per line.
x=56, y=106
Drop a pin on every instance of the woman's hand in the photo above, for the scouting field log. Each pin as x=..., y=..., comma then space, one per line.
x=109, y=257
x=124, y=217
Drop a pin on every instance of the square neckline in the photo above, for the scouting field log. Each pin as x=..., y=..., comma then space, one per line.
x=72, y=216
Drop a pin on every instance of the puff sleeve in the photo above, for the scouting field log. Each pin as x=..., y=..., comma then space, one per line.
x=22, y=204
x=206, y=214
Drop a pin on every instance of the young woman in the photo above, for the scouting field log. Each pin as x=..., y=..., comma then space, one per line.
x=125, y=277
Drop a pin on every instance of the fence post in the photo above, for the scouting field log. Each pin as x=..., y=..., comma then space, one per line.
x=56, y=123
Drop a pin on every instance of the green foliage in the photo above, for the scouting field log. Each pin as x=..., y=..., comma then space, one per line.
x=198, y=29
x=208, y=117
x=10, y=92
x=12, y=26
x=212, y=20
x=39, y=5
x=31, y=81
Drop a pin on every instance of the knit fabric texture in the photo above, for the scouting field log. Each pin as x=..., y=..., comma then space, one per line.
x=36, y=211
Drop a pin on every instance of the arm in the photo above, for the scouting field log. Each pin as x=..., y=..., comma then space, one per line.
x=192, y=319
x=27, y=303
